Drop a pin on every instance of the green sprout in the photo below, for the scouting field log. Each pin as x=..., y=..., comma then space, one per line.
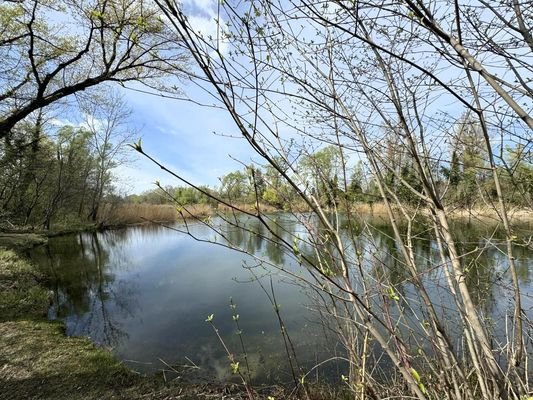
x=393, y=295
x=234, y=367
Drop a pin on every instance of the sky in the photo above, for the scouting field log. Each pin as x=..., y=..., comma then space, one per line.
x=198, y=143
x=185, y=137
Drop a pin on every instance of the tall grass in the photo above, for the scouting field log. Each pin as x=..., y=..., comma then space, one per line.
x=131, y=213
x=137, y=213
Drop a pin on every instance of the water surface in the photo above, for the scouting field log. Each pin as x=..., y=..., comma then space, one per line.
x=145, y=292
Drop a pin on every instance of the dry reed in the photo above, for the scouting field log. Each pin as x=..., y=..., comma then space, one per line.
x=251, y=208
x=125, y=214
x=138, y=213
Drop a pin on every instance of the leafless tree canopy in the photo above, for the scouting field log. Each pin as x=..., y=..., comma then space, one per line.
x=421, y=93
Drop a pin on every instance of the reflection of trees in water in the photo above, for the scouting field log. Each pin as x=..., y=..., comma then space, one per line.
x=523, y=263
x=257, y=239
x=483, y=260
x=83, y=269
x=388, y=276
x=382, y=253
x=274, y=247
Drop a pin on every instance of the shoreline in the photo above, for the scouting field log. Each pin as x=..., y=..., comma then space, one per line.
x=38, y=360
x=27, y=238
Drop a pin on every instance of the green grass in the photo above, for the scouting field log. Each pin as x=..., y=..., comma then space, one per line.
x=21, y=240
x=40, y=362
x=21, y=295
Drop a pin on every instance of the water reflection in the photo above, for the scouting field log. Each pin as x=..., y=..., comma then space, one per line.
x=145, y=291
x=87, y=293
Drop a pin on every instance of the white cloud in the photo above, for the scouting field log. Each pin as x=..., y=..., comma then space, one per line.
x=141, y=176
x=59, y=122
x=205, y=21
x=208, y=7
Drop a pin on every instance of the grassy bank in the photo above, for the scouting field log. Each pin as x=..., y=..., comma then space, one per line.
x=37, y=360
x=21, y=295
x=21, y=240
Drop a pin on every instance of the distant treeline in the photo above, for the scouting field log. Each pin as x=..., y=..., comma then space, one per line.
x=464, y=180
x=62, y=174
x=65, y=176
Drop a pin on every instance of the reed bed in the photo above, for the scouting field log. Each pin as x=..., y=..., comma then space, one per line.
x=252, y=208
x=138, y=213
x=126, y=214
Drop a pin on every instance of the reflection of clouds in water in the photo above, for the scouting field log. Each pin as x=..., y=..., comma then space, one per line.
x=146, y=290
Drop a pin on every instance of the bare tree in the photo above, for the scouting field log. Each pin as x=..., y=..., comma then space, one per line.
x=296, y=76
x=106, y=117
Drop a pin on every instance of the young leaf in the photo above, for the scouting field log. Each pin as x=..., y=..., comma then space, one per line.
x=234, y=367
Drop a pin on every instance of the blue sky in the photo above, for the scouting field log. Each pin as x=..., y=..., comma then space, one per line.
x=183, y=136
x=187, y=138
x=179, y=134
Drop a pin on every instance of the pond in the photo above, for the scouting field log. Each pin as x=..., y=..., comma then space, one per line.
x=145, y=293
